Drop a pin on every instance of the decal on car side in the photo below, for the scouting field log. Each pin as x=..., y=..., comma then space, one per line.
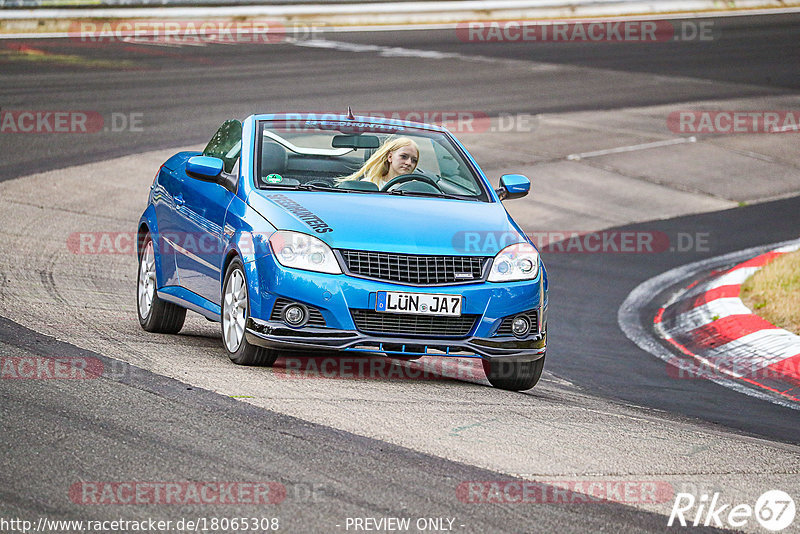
x=312, y=220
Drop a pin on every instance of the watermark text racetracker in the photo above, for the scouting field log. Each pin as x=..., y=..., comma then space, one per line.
x=50, y=368
x=31, y=367
x=33, y=121
x=728, y=366
x=200, y=243
x=564, y=491
x=565, y=241
x=599, y=242
x=191, y=32
x=379, y=368
x=597, y=31
x=176, y=493
x=734, y=122
x=455, y=120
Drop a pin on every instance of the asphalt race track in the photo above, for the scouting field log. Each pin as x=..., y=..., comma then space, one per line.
x=755, y=56
x=174, y=409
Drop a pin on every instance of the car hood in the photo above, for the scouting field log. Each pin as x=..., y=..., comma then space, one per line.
x=388, y=223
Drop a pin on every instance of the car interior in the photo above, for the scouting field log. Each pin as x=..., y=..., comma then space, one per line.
x=297, y=167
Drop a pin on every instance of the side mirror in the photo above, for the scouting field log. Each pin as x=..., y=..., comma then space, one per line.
x=513, y=186
x=204, y=167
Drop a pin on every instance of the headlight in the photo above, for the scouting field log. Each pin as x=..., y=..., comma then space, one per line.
x=303, y=251
x=515, y=262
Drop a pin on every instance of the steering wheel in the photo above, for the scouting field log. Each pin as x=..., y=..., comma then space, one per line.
x=403, y=178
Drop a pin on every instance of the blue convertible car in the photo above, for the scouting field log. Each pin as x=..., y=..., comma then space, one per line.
x=303, y=233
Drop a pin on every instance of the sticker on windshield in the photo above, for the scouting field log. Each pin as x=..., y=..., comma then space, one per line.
x=274, y=178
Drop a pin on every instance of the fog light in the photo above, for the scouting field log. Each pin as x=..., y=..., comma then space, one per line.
x=520, y=326
x=294, y=315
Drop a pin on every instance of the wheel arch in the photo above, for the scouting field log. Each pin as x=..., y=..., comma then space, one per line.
x=149, y=225
x=141, y=233
x=254, y=289
x=229, y=257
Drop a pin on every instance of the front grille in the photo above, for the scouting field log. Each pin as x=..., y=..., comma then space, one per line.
x=414, y=269
x=314, y=315
x=407, y=324
x=505, y=326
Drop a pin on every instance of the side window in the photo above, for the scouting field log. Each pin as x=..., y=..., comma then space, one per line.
x=428, y=160
x=226, y=144
x=452, y=169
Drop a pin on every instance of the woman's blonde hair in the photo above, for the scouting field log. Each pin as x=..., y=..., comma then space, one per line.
x=377, y=166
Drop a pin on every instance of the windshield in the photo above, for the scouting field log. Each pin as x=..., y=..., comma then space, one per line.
x=353, y=156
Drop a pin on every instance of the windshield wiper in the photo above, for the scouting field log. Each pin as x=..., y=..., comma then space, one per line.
x=311, y=187
x=402, y=192
x=315, y=187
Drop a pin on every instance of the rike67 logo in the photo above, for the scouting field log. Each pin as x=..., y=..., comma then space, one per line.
x=774, y=510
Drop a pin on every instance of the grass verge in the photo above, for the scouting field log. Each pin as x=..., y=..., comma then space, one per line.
x=773, y=292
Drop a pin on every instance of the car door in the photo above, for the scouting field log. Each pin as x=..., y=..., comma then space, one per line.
x=202, y=208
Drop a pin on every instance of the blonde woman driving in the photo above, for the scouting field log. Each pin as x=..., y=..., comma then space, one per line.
x=395, y=157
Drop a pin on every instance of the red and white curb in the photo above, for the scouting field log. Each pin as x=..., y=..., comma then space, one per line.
x=708, y=322
x=719, y=338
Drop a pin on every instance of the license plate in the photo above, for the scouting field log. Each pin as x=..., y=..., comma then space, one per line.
x=419, y=303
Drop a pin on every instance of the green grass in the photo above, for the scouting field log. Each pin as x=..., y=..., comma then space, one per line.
x=774, y=291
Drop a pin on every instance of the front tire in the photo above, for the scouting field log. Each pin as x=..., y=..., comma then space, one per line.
x=155, y=315
x=513, y=376
x=235, y=312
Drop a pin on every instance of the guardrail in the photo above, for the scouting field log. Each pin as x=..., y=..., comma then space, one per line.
x=437, y=5
x=56, y=17
x=49, y=4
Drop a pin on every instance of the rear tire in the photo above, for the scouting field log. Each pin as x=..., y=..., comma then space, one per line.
x=235, y=312
x=155, y=315
x=513, y=376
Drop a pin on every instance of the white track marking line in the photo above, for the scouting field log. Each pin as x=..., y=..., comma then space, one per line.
x=385, y=51
x=631, y=148
x=397, y=51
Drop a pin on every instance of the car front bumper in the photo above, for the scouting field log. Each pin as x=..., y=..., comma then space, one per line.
x=337, y=297
x=276, y=335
